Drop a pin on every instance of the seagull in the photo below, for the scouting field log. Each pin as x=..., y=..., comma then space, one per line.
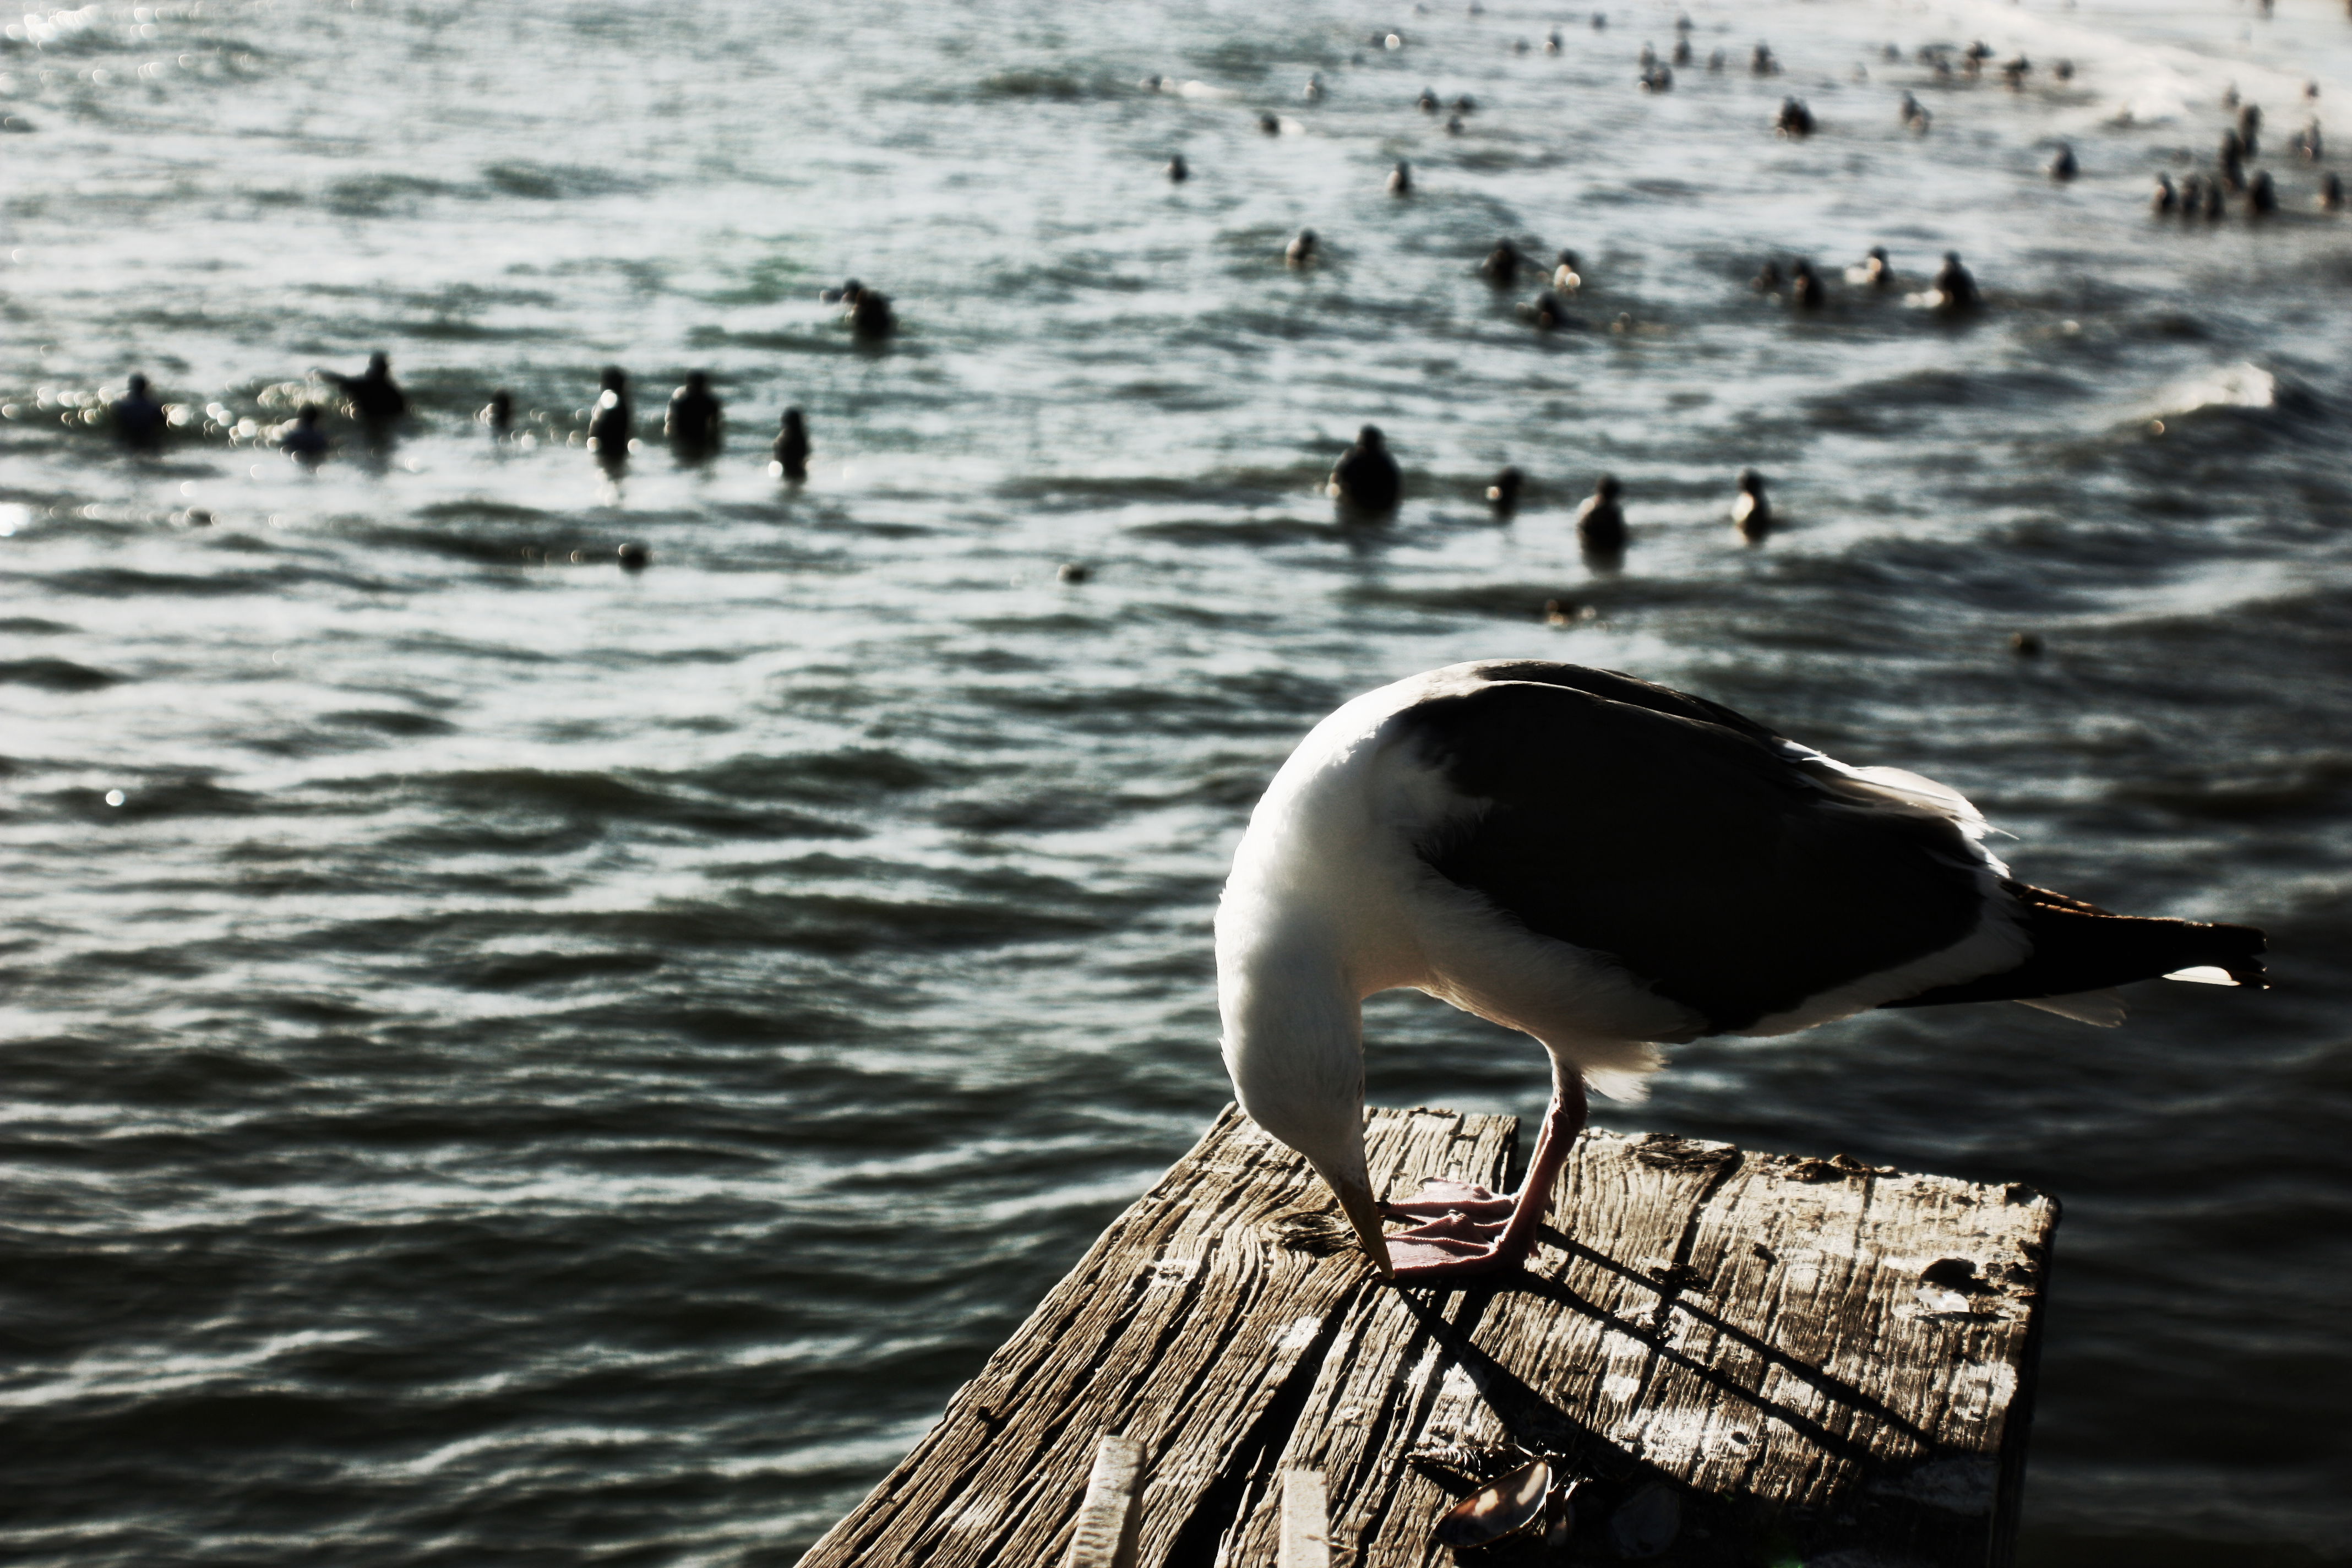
x=1609, y=865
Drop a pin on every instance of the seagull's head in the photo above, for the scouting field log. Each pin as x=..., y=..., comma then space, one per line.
x=1293, y=1046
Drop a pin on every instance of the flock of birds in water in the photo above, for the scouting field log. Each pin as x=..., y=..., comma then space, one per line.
x=1366, y=482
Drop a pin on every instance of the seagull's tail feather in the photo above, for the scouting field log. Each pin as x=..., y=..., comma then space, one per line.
x=2079, y=947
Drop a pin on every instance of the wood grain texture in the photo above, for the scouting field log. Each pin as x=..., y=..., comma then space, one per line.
x=1110, y=1515
x=1179, y=1329
x=1811, y=1359
x=1753, y=1330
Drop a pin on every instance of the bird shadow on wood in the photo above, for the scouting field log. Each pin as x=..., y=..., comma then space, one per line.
x=1671, y=1295
x=1535, y=1421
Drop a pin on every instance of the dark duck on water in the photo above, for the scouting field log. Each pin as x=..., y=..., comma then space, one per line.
x=1366, y=476
x=1611, y=865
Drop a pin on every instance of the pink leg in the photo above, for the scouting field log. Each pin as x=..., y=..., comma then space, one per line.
x=1466, y=1229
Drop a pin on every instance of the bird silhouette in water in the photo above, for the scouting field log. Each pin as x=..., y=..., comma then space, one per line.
x=792, y=449
x=1954, y=289
x=1501, y=264
x=1547, y=310
x=1503, y=495
x=1178, y=171
x=138, y=418
x=1303, y=251
x=691, y=424
x=303, y=440
x=2064, y=167
x=376, y=398
x=1874, y=271
x=1568, y=275
x=1751, y=514
x=1600, y=522
x=2163, y=200
x=1400, y=179
x=610, y=422
x=1366, y=477
x=499, y=411
x=1805, y=291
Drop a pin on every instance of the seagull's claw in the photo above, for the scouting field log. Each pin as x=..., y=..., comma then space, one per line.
x=1462, y=1233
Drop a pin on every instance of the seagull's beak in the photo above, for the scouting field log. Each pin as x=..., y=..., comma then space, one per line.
x=1364, y=1213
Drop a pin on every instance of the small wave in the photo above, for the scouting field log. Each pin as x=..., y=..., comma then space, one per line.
x=2239, y=386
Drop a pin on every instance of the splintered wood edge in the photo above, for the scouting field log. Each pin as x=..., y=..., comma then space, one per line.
x=1180, y=1327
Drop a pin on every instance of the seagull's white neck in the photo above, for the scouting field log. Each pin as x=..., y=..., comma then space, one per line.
x=1294, y=1033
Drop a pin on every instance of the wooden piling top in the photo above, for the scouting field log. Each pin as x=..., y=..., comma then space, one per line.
x=1771, y=1358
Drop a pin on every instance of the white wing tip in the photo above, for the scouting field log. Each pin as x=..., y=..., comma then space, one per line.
x=2204, y=974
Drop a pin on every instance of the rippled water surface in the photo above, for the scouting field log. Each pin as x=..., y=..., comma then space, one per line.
x=509, y=1060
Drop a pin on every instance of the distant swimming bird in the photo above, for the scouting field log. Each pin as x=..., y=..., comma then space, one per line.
x=870, y=316
x=139, y=419
x=2262, y=196
x=304, y=439
x=1608, y=865
x=1400, y=179
x=2250, y=128
x=2213, y=201
x=1874, y=271
x=1553, y=42
x=1501, y=264
x=2331, y=194
x=1600, y=522
x=1794, y=120
x=376, y=397
x=2308, y=144
x=1366, y=477
x=2015, y=70
x=1453, y=126
x=1751, y=514
x=2164, y=199
x=1805, y=291
x=1270, y=123
x=1313, y=92
x=1464, y=105
x=846, y=294
x=1767, y=280
x=1760, y=61
x=2063, y=70
x=2232, y=160
x=1427, y=101
x=1649, y=57
x=1717, y=62
x=791, y=453
x=634, y=557
x=2062, y=167
x=1568, y=275
x=1955, y=289
x=1657, y=79
x=1503, y=495
x=692, y=421
x=610, y=422
x=1177, y=169
x=1547, y=311
x=1916, y=117
x=498, y=412
x=1302, y=250
x=1683, y=56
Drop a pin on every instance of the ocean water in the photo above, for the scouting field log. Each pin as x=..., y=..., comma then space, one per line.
x=510, y=1060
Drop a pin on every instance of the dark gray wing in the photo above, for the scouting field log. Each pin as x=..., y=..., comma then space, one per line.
x=1668, y=831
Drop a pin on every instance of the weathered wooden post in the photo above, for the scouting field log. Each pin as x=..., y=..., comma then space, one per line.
x=1757, y=1356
